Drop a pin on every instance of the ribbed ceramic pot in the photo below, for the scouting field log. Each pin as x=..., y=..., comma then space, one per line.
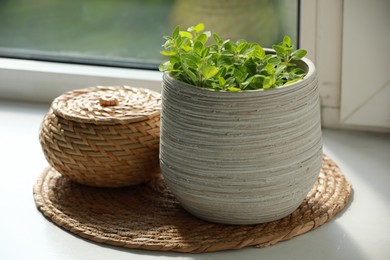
x=241, y=157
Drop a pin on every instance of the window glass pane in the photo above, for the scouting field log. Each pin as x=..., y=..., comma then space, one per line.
x=129, y=32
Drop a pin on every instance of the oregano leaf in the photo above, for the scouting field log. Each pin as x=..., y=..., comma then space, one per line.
x=280, y=50
x=274, y=61
x=291, y=81
x=298, y=71
x=233, y=89
x=217, y=39
x=175, y=33
x=185, y=45
x=202, y=38
x=298, y=54
x=168, y=53
x=222, y=81
x=258, y=52
x=190, y=60
x=192, y=76
x=242, y=47
x=198, y=47
x=209, y=71
x=185, y=34
x=268, y=82
x=269, y=68
x=166, y=66
x=205, y=51
x=198, y=28
x=287, y=41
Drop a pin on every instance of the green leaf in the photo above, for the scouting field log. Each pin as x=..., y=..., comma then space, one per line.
x=250, y=80
x=228, y=45
x=268, y=82
x=185, y=45
x=230, y=82
x=205, y=52
x=185, y=34
x=225, y=60
x=298, y=54
x=191, y=75
x=199, y=27
x=248, y=52
x=269, y=68
x=274, y=61
x=233, y=89
x=287, y=41
x=198, y=47
x=168, y=44
x=217, y=39
x=178, y=41
x=196, y=29
x=292, y=81
x=259, y=52
x=174, y=59
x=288, y=64
x=221, y=73
x=191, y=60
x=176, y=66
x=202, y=38
x=216, y=86
x=251, y=66
x=175, y=33
x=222, y=81
x=240, y=74
x=166, y=66
x=209, y=71
x=242, y=46
x=298, y=72
x=168, y=53
x=280, y=50
x=280, y=68
x=213, y=48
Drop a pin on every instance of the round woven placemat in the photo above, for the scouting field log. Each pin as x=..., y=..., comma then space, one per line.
x=148, y=216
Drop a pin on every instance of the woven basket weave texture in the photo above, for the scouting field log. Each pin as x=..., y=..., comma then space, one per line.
x=148, y=216
x=103, y=136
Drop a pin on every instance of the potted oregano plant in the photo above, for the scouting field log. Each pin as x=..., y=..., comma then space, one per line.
x=240, y=139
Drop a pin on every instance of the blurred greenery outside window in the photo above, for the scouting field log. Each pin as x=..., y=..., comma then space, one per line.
x=129, y=33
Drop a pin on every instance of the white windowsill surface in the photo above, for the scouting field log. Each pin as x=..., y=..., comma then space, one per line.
x=361, y=231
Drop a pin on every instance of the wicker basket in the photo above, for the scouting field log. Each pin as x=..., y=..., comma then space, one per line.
x=104, y=136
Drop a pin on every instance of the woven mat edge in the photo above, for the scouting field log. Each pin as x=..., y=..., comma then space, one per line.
x=55, y=216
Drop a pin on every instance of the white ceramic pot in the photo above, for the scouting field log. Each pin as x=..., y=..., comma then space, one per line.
x=241, y=157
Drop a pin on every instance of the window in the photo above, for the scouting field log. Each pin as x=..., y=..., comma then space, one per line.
x=118, y=33
x=129, y=33
x=121, y=35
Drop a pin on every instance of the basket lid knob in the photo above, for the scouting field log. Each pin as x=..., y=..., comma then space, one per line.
x=108, y=101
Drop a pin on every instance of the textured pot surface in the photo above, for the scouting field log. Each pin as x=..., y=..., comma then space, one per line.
x=243, y=157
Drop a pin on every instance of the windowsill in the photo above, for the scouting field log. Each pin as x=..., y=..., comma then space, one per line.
x=41, y=81
x=358, y=232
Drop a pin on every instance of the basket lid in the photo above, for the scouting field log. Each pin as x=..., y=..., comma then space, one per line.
x=108, y=105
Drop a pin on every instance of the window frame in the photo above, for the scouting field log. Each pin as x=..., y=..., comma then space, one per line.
x=42, y=81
